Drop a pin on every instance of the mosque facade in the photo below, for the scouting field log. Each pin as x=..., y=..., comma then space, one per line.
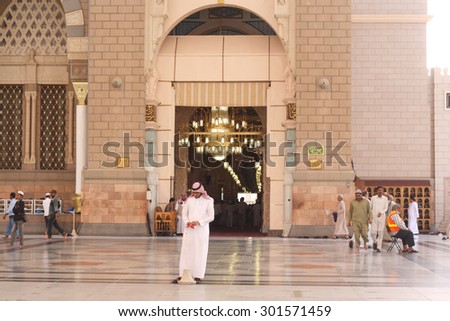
x=94, y=96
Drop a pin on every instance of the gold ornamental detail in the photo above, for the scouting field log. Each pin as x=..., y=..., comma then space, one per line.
x=291, y=111
x=81, y=90
x=150, y=113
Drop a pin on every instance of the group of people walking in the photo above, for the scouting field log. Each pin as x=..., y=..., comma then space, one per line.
x=240, y=214
x=52, y=208
x=369, y=219
x=229, y=214
x=17, y=217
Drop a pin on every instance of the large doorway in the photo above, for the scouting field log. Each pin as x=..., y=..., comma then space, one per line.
x=222, y=65
x=223, y=148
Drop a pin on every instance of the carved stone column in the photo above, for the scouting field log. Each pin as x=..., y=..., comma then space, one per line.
x=81, y=91
x=33, y=129
x=290, y=125
x=285, y=15
x=27, y=112
x=70, y=130
x=152, y=173
x=155, y=17
x=290, y=93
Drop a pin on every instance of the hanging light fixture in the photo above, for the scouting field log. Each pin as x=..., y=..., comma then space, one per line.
x=219, y=131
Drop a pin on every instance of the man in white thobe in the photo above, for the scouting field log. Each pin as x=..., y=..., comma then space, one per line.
x=46, y=207
x=378, y=206
x=413, y=215
x=198, y=212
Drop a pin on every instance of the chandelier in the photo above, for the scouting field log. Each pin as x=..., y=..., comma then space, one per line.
x=220, y=131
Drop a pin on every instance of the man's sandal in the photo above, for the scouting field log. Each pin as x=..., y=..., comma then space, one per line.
x=175, y=281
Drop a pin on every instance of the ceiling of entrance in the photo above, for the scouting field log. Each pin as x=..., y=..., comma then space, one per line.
x=222, y=21
x=222, y=58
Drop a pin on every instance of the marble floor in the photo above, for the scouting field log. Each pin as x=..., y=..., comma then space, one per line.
x=136, y=269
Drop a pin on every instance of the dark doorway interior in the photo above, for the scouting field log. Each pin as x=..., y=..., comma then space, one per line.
x=228, y=164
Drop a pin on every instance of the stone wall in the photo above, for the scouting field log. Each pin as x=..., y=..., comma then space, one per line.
x=391, y=112
x=323, y=68
x=116, y=35
x=114, y=199
x=441, y=80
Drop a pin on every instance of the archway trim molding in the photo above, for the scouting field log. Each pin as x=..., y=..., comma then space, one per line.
x=77, y=42
x=236, y=94
x=161, y=17
x=74, y=18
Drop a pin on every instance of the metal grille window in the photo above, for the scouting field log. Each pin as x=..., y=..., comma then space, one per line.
x=11, y=101
x=53, y=127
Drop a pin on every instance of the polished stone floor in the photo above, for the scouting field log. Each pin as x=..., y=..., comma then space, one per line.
x=136, y=269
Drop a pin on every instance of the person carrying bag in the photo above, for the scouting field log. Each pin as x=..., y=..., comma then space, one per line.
x=20, y=218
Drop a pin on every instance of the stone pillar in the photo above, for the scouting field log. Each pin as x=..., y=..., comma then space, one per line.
x=152, y=183
x=152, y=174
x=156, y=15
x=285, y=13
x=324, y=117
x=81, y=90
x=114, y=185
x=33, y=129
x=287, y=221
x=181, y=173
x=290, y=125
x=30, y=109
x=27, y=126
x=70, y=130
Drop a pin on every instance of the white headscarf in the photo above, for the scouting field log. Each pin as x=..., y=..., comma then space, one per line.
x=197, y=187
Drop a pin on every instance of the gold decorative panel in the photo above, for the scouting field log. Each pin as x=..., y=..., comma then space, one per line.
x=150, y=113
x=33, y=24
x=122, y=162
x=81, y=90
x=291, y=111
x=53, y=127
x=11, y=124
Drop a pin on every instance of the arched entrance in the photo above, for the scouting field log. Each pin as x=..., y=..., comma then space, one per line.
x=225, y=66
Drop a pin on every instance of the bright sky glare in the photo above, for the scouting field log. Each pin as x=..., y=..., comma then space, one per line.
x=438, y=43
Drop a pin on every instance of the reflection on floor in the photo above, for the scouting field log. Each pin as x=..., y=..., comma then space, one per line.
x=88, y=268
x=220, y=230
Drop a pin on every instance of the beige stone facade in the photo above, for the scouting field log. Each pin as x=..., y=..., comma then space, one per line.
x=116, y=50
x=441, y=118
x=390, y=92
x=349, y=76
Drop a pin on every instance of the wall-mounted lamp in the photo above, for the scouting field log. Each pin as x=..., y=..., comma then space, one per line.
x=323, y=83
x=116, y=82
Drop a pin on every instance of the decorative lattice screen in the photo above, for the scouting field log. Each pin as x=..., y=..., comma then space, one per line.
x=33, y=24
x=11, y=101
x=53, y=127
